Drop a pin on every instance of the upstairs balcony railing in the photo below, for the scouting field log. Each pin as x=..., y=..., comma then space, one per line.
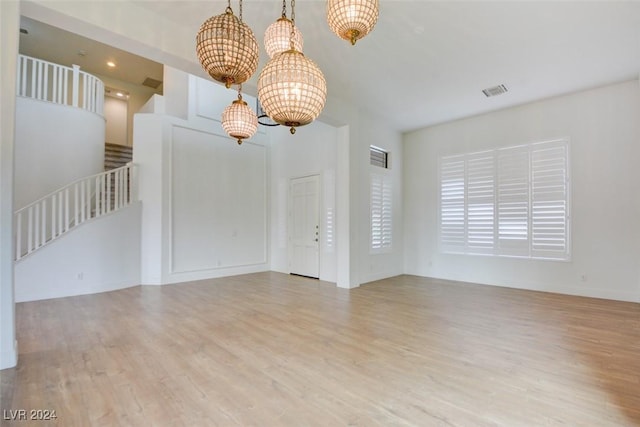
x=46, y=81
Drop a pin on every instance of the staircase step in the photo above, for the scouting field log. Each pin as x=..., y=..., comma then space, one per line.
x=116, y=155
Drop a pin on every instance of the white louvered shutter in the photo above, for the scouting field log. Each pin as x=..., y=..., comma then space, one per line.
x=549, y=199
x=480, y=202
x=452, y=205
x=381, y=211
x=513, y=201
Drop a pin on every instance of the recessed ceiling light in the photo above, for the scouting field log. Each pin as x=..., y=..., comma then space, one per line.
x=120, y=94
x=111, y=64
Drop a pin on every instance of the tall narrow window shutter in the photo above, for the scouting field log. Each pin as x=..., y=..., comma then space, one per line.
x=480, y=202
x=381, y=211
x=452, y=204
x=513, y=201
x=549, y=199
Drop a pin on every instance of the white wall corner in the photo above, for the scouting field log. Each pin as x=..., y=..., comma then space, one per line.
x=9, y=358
x=9, y=26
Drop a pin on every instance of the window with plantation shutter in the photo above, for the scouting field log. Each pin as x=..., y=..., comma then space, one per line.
x=381, y=216
x=510, y=201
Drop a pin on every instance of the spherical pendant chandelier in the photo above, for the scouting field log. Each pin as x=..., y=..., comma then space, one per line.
x=278, y=36
x=227, y=48
x=352, y=19
x=291, y=87
x=239, y=121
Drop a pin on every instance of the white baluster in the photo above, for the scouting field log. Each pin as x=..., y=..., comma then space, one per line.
x=125, y=186
x=24, y=64
x=19, y=236
x=75, y=85
x=54, y=84
x=97, y=197
x=45, y=78
x=116, y=189
x=30, y=229
x=60, y=213
x=36, y=231
x=44, y=221
x=88, y=199
x=40, y=80
x=33, y=80
x=85, y=91
x=54, y=228
x=66, y=209
x=76, y=213
x=65, y=82
x=107, y=177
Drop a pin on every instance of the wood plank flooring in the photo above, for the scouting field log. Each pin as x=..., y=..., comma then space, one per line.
x=270, y=349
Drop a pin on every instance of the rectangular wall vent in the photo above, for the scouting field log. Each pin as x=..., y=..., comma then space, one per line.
x=152, y=83
x=494, y=91
x=378, y=157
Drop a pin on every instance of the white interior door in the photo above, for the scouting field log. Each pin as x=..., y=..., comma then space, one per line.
x=304, y=226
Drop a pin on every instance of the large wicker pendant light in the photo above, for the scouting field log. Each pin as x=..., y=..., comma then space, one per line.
x=291, y=87
x=352, y=19
x=278, y=36
x=239, y=120
x=227, y=48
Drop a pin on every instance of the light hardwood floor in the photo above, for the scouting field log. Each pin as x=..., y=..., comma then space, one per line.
x=269, y=349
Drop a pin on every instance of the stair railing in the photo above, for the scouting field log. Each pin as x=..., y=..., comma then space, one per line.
x=53, y=215
x=56, y=83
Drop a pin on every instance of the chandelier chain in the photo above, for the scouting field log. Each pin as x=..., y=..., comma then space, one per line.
x=293, y=23
x=240, y=10
x=284, y=8
x=293, y=11
x=240, y=92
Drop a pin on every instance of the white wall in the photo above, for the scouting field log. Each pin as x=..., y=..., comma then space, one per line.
x=205, y=197
x=138, y=97
x=9, y=27
x=115, y=114
x=311, y=151
x=97, y=256
x=604, y=132
x=67, y=144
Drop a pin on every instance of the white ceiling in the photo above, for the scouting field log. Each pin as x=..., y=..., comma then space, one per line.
x=426, y=62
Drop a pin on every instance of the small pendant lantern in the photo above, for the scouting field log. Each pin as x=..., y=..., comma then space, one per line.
x=239, y=120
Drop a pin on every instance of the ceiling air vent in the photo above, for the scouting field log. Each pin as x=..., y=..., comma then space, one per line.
x=494, y=91
x=152, y=83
